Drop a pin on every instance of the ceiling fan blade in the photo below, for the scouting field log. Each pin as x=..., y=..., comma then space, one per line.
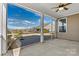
x=54, y=7
x=67, y=4
x=65, y=8
x=57, y=10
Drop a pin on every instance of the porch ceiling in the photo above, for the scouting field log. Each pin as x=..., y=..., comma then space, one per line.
x=46, y=8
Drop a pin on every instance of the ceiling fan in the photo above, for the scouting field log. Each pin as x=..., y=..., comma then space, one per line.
x=62, y=7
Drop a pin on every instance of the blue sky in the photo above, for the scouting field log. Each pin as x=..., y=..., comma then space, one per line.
x=20, y=18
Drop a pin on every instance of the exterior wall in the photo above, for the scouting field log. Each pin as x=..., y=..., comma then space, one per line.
x=72, y=28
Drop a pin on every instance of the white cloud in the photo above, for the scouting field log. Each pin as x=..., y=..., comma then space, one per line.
x=26, y=21
x=19, y=21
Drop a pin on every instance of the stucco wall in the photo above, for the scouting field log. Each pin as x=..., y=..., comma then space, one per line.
x=72, y=28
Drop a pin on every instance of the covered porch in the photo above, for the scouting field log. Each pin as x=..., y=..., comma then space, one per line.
x=63, y=43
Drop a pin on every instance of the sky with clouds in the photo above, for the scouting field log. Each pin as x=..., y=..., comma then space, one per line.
x=20, y=18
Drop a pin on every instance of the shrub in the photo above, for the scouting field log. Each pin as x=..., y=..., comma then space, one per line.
x=45, y=31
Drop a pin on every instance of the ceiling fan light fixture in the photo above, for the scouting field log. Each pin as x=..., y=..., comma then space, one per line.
x=61, y=8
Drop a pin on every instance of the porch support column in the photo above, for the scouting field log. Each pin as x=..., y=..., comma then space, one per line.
x=52, y=29
x=0, y=28
x=56, y=28
x=42, y=26
x=3, y=41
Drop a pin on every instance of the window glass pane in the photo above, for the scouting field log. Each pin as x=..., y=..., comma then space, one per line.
x=62, y=25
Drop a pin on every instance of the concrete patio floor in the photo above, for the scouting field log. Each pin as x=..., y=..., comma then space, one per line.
x=54, y=47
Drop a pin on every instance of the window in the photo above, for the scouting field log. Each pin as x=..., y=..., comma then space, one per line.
x=62, y=25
